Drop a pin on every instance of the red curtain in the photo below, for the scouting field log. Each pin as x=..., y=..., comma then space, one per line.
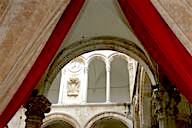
x=43, y=60
x=149, y=27
x=160, y=42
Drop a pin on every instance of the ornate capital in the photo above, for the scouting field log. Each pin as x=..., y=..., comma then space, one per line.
x=158, y=109
x=36, y=107
x=174, y=99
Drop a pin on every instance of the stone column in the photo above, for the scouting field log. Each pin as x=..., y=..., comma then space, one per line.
x=108, y=81
x=158, y=113
x=171, y=108
x=86, y=83
x=136, y=121
x=36, y=107
x=162, y=120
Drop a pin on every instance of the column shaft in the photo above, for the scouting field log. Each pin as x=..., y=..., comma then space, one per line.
x=86, y=84
x=108, y=82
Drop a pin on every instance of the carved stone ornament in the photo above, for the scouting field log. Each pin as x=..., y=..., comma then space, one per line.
x=36, y=107
x=75, y=67
x=73, y=86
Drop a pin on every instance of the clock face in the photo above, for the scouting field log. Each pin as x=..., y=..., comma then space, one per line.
x=75, y=67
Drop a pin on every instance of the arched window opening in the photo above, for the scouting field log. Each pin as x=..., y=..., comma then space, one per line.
x=108, y=123
x=120, y=89
x=59, y=124
x=53, y=93
x=96, y=81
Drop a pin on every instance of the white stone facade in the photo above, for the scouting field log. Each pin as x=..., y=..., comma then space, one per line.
x=107, y=89
x=78, y=102
x=78, y=71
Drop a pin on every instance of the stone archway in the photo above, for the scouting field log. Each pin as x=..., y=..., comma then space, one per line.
x=59, y=124
x=124, y=121
x=59, y=118
x=99, y=43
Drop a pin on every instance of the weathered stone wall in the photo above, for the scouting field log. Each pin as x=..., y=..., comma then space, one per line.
x=79, y=116
x=84, y=114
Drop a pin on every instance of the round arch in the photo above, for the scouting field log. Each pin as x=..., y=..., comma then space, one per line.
x=80, y=59
x=114, y=115
x=50, y=118
x=96, y=83
x=120, y=78
x=119, y=55
x=78, y=48
x=96, y=56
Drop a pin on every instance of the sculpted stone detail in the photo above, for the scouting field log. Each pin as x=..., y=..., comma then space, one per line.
x=73, y=86
x=174, y=99
x=165, y=107
x=36, y=107
x=158, y=111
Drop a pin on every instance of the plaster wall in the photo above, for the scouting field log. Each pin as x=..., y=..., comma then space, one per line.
x=178, y=15
x=24, y=29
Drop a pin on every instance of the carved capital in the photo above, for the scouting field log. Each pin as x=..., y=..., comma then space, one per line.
x=158, y=109
x=174, y=99
x=36, y=107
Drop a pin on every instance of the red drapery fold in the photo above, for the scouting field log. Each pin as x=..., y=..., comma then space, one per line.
x=160, y=42
x=42, y=61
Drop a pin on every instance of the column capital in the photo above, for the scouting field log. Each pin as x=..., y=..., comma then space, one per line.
x=36, y=107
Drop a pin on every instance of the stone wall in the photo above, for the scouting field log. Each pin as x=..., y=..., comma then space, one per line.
x=85, y=115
